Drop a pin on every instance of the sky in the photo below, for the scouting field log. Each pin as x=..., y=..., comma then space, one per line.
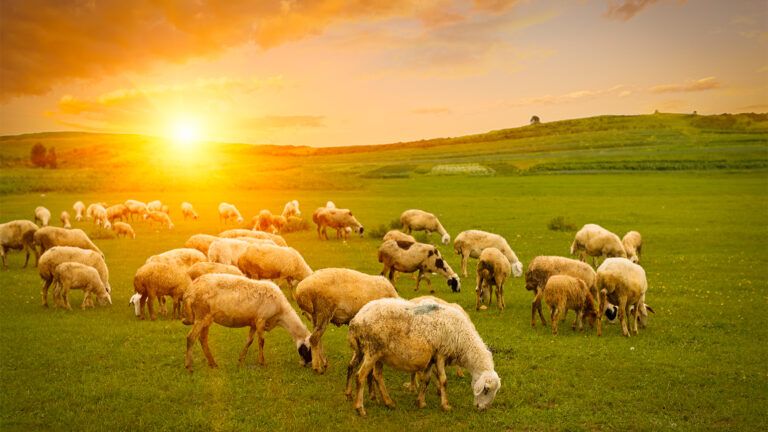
x=351, y=72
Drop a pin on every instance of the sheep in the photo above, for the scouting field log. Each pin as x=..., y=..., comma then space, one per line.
x=236, y=301
x=162, y=218
x=564, y=292
x=334, y=295
x=42, y=215
x=293, y=223
x=542, y=268
x=623, y=283
x=200, y=242
x=633, y=245
x=60, y=254
x=407, y=258
x=122, y=228
x=64, y=218
x=157, y=280
x=493, y=269
x=279, y=222
x=166, y=209
x=419, y=220
x=48, y=237
x=291, y=209
x=472, y=242
x=73, y=275
x=182, y=257
x=18, y=235
x=228, y=251
x=234, y=233
x=188, y=211
x=99, y=215
x=155, y=205
x=79, y=209
x=330, y=205
x=263, y=222
x=265, y=261
x=413, y=338
x=228, y=212
x=136, y=208
x=338, y=219
x=117, y=211
x=399, y=236
x=202, y=268
x=596, y=241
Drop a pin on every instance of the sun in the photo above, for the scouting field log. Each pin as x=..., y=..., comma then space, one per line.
x=185, y=133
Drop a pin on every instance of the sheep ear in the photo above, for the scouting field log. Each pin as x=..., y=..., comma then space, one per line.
x=439, y=263
x=430, y=253
x=650, y=309
x=479, y=387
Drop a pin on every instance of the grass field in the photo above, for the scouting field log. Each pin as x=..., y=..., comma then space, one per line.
x=700, y=364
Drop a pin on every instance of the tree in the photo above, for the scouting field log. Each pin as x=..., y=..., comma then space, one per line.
x=535, y=120
x=51, y=159
x=37, y=155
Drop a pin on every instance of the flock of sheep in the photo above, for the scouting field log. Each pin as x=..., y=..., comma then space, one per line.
x=230, y=279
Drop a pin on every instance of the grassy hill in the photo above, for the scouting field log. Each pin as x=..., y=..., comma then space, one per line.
x=111, y=162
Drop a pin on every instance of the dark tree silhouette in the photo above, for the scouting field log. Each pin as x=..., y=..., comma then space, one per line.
x=37, y=155
x=535, y=120
x=51, y=158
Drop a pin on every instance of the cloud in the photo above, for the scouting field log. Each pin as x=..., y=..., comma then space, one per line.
x=283, y=122
x=50, y=42
x=708, y=83
x=624, y=10
x=574, y=96
x=431, y=110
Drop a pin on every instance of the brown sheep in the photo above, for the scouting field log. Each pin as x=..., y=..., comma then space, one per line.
x=564, y=293
x=542, y=268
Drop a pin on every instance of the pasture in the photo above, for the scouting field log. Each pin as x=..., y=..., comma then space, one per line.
x=700, y=364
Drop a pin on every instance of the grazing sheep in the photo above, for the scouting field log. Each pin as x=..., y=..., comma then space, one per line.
x=124, y=229
x=79, y=209
x=200, y=242
x=263, y=222
x=99, y=215
x=493, y=269
x=542, y=268
x=117, y=211
x=182, y=257
x=158, y=279
x=419, y=220
x=414, y=338
x=293, y=223
x=235, y=301
x=563, y=293
x=61, y=254
x=166, y=209
x=228, y=250
x=155, y=205
x=338, y=219
x=228, y=212
x=188, y=211
x=330, y=205
x=407, y=258
x=162, y=218
x=596, y=241
x=291, y=209
x=64, y=217
x=135, y=301
x=48, y=237
x=623, y=283
x=399, y=236
x=202, y=268
x=633, y=245
x=73, y=275
x=18, y=235
x=334, y=295
x=472, y=242
x=136, y=208
x=279, y=222
x=234, y=233
x=414, y=384
x=42, y=215
x=266, y=261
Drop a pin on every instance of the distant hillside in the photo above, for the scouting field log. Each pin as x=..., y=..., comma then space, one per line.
x=606, y=143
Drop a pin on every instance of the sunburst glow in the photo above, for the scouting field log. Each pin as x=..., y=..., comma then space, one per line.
x=185, y=133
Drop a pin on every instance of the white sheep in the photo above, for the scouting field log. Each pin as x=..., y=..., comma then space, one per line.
x=234, y=233
x=202, y=268
x=236, y=301
x=228, y=212
x=99, y=215
x=117, y=211
x=188, y=211
x=564, y=292
x=493, y=269
x=413, y=338
x=200, y=242
x=73, y=275
x=596, y=241
x=136, y=208
x=472, y=242
x=399, y=236
x=334, y=295
x=18, y=235
x=50, y=236
x=342, y=220
x=228, y=250
x=263, y=221
x=266, y=261
x=79, y=209
x=155, y=280
x=633, y=245
x=623, y=283
x=419, y=220
x=330, y=204
x=124, y=229
x=182, y=257
x=161, y=218
x=408, y=258
x=64, y=217
x=61, y=254
x=42, y=215
x=291, y=209
x=155, y=205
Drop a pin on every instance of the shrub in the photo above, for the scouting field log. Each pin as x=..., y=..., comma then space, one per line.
x=378, y=232
x=37, y=156
x=561, y=224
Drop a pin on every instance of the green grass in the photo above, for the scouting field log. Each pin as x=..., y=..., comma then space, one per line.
x=700, y=364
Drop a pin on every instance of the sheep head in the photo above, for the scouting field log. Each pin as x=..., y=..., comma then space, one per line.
x=446, y=238
x=485, y=387
x=517, y=269
x=305, y=351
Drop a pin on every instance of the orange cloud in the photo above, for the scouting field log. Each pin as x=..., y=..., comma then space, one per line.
x=708, y=83
x=574, y=96
x=624, y=10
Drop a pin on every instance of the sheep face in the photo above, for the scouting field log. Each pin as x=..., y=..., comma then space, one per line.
x=305, y=351
x=485, y=388
x=104, y=299
x=136, y=302
x=446, y=238
x=611, y=312
x=436, y=264
x=517, y=270
x=634, y=259
x=644, y=309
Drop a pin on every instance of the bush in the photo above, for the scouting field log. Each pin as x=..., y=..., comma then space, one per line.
x=381, y=230
x=38, y=155
x=560, y=224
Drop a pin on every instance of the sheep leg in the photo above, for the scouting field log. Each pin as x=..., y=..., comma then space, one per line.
x=603, y=299
x=555, y=317
x=44, y=291
x=362, y=375
x=442, y=382
x=478, y=292
x=26, y=260
x=424, y=377
x=378, y=376
x=151, y=305
x=319, y=361
x=192, y=336
x=577, y=323
x=418, y=279
x=5, y=262
x=260, y=332
x=248, y=343
x=464, y=259
x=500, y=295
x=142, y=303
x=536, y=305
x=635, y=317
x=623, y=312
x=353, y=362
x=204, y=342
